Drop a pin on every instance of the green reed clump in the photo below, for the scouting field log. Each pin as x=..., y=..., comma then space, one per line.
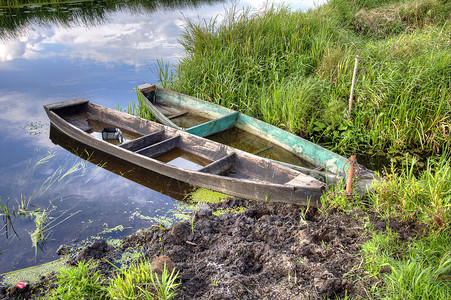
x=140, y=109
x=140, y=282
x=81, y=282
x=232, y=62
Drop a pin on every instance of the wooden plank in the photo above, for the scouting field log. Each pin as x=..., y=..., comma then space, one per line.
x=147, y=88
x=214, y=126
x=160, y=148
x=177, y=115
x=219, y=166
x=300, y=180
x=65, y=104
x=156, y=112
x=191, y=104
x=143, y=141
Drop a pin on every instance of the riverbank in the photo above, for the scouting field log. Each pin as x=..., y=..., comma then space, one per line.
x=268, y=251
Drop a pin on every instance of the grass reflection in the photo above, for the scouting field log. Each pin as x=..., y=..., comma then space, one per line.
x=16, y=15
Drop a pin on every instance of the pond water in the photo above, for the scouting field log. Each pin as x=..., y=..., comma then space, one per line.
x=98, y=50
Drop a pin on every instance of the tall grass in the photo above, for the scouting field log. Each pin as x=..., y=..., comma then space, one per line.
x=426, y=198
x=294, y=70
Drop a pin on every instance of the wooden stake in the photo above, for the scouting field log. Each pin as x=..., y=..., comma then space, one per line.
x=353, y=83
x=351, y=172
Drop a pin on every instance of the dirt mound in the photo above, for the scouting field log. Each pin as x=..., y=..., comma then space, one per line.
x=270, y=251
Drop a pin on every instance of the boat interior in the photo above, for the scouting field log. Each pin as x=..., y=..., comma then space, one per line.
x=221, y=128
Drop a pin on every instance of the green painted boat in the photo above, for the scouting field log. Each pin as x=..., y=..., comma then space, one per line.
x=238, y=130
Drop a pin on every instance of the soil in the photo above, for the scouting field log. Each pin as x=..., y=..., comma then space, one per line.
x=269, y=251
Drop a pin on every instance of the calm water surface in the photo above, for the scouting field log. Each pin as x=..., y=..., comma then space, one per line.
x=100, y=52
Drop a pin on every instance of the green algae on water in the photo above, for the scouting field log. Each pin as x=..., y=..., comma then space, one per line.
x=33, y=274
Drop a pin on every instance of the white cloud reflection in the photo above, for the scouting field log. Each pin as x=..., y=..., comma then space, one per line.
x=133, y=39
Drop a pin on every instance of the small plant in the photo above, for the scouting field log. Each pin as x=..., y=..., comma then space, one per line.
x=5, y=212
x=38, y=238
x=140, y=282
x=192, y=224
x=292, y=280
x=23, y=207
x=80, y=282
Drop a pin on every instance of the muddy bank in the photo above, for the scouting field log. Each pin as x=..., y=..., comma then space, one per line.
x=269, y=251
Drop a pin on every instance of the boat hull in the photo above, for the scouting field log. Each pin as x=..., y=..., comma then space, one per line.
x=255, y=178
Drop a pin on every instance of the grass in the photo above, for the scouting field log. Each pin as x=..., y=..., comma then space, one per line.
x=140, y=282
x=420, y=269
x=294, y=70
x=81, y=282
x=426, y=198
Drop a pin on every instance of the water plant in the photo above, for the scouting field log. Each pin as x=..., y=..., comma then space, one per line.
x=38, y=238
x=6, y=212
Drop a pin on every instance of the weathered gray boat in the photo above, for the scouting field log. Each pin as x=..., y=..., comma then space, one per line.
x=183, y=156
x=207, y=119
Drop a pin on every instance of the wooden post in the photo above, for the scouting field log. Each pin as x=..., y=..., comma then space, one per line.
x=351, y=172
x=353, y=83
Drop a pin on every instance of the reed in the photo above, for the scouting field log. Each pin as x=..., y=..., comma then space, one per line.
x=6, y=212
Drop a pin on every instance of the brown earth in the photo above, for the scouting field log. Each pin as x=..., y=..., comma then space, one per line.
x=270, y=251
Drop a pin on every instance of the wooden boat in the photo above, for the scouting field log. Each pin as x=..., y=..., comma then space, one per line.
x=210, y=120
x=184, y=156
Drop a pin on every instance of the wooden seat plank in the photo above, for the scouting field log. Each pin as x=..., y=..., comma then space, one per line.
x=219, y=166
x=160, y=148
x=144, y=141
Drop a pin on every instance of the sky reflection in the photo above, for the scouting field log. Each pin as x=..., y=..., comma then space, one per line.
x=127, y=38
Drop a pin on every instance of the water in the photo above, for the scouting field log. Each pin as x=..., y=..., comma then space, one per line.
x=98, y=50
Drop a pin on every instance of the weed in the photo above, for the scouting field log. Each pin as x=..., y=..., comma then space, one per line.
x=6, y=212
x=139, y=281
x=80, y=282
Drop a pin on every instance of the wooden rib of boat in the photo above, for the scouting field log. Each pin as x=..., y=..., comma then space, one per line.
x=207, y=119
x=184, y=156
